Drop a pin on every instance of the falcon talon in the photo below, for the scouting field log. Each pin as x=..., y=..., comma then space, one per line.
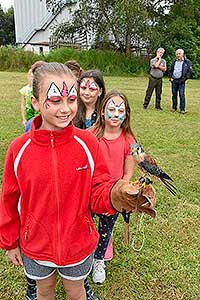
x=148, y=180
x=142, y=179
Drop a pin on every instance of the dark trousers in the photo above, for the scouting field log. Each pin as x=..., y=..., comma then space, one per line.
x=106, y=224
x=154, y=83
x=178, y=86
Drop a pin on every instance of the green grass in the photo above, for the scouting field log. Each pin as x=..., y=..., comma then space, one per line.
x=168, y=266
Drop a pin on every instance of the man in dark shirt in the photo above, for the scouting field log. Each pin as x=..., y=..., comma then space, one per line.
x=158, y=67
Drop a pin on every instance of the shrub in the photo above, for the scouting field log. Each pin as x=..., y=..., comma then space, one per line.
x=109, y=62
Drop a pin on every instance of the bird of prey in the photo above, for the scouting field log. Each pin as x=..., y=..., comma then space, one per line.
x=150, y=168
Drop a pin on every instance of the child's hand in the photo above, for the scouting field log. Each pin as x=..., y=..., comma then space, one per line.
x=14, y=256
x=24, y=122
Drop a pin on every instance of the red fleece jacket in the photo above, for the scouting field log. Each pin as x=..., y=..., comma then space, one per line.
x=51, y=182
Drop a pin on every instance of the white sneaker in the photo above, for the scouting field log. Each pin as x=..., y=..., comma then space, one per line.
x=98, y=273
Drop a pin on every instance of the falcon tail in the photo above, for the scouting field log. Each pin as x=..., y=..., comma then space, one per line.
x=164, y=175
x=171, y=188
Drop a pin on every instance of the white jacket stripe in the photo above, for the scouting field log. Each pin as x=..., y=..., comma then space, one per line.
x=19, y=155
x=88, y=153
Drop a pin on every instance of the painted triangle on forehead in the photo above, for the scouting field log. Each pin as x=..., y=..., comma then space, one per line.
x=64, y=92
x=53, y=91
x=113, y=104
x=73, y=92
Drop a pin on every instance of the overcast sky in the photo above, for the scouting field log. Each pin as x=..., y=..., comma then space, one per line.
x=5, y=4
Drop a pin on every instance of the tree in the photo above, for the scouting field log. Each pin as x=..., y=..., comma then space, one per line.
x=7, y=27
x=123, y=22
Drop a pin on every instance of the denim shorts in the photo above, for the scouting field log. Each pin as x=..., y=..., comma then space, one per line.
x=37, y=271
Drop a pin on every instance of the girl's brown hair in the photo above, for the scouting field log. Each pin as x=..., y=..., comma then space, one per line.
x=75, y=67
x=45, y=69
x=99, y=126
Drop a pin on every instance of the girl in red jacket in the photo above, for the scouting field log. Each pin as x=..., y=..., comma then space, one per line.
x=54, y=176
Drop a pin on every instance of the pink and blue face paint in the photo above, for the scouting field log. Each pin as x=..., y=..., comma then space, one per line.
x=54, y=94
x=116, y=111
x=90, y=85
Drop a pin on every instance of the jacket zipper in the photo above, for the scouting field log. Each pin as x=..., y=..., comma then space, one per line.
x=57, y=198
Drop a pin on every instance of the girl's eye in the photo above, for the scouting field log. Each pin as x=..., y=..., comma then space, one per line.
x=93, y=89
x=111, y=109
x=55, y=99
x=72, y=99
x=83, y=87
x=121, y=110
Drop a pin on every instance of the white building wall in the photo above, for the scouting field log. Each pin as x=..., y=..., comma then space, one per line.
x=34, y=24
x=28, y=16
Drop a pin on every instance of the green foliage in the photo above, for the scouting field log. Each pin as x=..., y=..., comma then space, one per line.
x=16, y=59
x=108, y=62
x=7, y=28
x=167, y=268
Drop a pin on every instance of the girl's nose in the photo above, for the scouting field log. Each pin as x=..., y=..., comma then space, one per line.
x=64, y=107
x=116, y=113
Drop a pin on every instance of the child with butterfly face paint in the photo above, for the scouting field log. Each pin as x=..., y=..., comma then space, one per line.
x=91, y=93
x=115, y=135
x=56, y=174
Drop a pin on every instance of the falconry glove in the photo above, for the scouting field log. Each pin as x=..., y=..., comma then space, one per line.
x=127, y=196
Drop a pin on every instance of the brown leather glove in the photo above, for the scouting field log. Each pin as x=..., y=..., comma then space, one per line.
x=149, y=194
x=132, y=196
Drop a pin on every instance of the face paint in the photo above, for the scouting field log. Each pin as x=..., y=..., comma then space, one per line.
x=117, y=111
x=90, y=85
x=54, y=94
x=64, y=92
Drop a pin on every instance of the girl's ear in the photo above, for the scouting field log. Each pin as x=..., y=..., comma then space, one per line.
x=35, y=103
x=100, y=92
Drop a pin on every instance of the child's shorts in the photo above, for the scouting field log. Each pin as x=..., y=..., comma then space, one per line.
x=36, y=271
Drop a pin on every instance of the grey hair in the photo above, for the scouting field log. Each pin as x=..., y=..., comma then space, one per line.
x=45, y=69
x=160, y=49
x=180, y=50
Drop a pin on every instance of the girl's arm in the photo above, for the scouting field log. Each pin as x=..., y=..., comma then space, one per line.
x=129, y=166
x=23, y=109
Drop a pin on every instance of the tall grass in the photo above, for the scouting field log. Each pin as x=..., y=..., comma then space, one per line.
x=108, y=62
x=167, y=268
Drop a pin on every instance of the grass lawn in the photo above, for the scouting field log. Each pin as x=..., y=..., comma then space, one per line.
x=168, y=266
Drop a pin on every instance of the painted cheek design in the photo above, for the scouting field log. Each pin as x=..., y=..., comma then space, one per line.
x=108, y=114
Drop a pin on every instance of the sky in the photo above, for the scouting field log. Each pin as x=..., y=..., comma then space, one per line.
x=5, y=4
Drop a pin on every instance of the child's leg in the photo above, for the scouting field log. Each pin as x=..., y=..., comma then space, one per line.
x=31, y=292
x=106, y=224
x=46, y=288
x=74, y=289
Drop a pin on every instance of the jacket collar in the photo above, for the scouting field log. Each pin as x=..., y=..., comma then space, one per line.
x=50, y=137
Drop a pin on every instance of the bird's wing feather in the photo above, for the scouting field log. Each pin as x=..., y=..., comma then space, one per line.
x=151, y=167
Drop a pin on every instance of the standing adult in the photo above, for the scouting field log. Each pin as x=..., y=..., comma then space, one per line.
x=158, y=67
x=180, y=71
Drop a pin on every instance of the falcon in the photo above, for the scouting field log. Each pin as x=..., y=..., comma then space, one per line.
x=149, y=167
